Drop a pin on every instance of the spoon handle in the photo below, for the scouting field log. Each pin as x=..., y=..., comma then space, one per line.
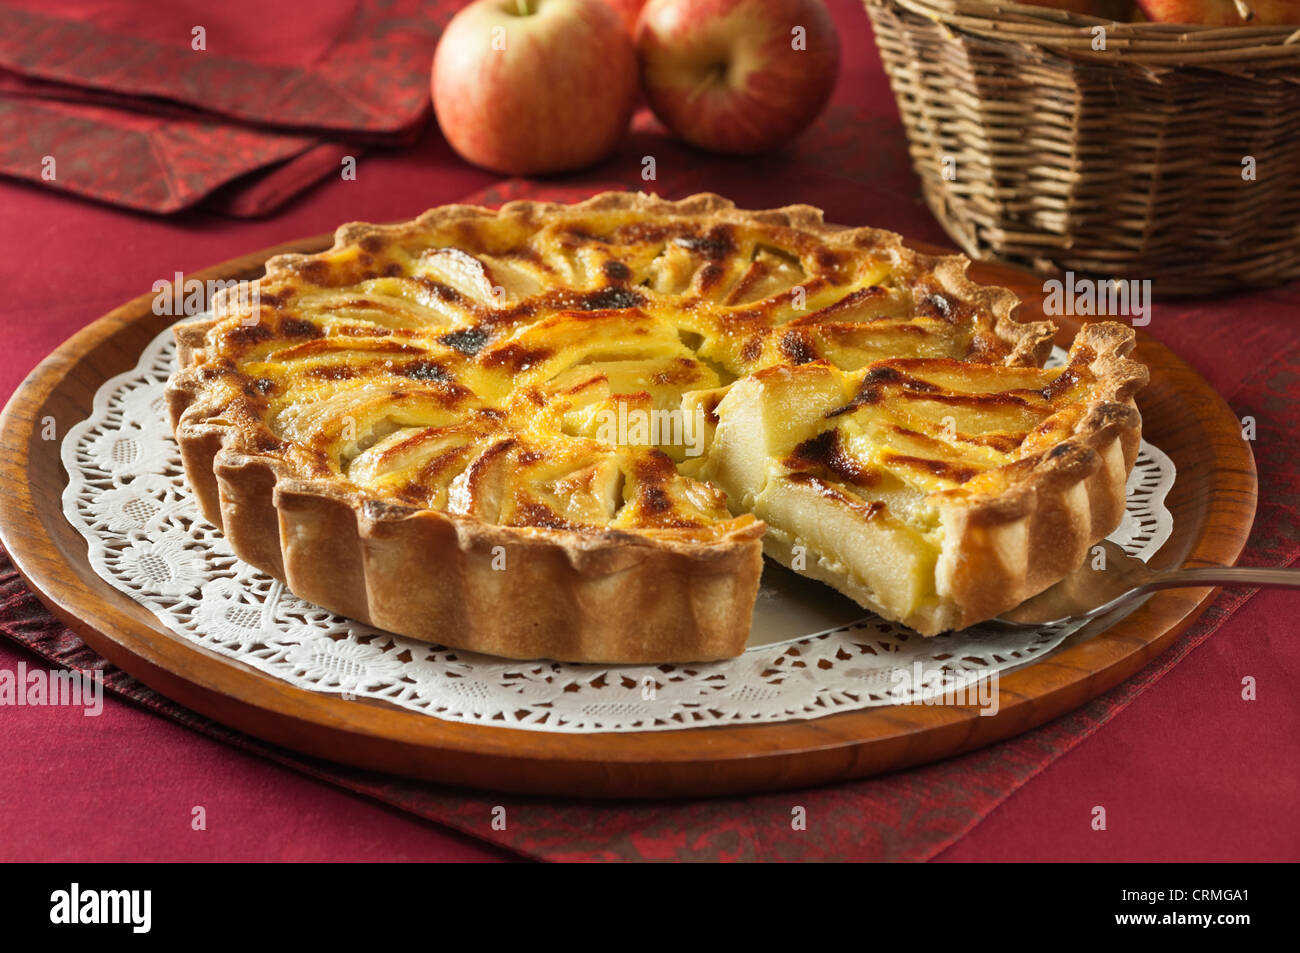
x=1227, y=576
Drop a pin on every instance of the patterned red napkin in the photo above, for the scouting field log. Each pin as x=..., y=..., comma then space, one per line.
x=157, y=107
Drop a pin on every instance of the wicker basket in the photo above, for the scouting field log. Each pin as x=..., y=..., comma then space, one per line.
x=1037, y=149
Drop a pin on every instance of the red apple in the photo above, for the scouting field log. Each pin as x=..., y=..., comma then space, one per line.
x=1121, y=10
x=1223, y=12
x=628, y=11
x=737, y=76
x=528, y=87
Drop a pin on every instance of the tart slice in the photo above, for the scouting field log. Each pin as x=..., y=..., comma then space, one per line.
x=571, y=431
x=933, y=491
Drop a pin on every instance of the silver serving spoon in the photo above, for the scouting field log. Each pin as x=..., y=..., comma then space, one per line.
x=1088, y=593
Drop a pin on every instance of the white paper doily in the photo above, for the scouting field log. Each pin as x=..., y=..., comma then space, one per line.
x=126, y=494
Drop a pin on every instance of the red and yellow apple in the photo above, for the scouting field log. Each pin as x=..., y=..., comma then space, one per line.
x=737, y=76
x=529, y=87
x=629, y=11
x=1223, y=12
x=1121, y=10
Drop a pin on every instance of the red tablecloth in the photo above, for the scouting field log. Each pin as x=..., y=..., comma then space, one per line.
x=1186, y=769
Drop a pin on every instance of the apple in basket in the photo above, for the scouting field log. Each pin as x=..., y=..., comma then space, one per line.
x=629, y=11
x=528, y=87
x=737, y=76
x=1121, y=10
x=1223, y=12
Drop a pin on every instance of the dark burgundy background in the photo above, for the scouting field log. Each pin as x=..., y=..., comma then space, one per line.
x=1185, y=768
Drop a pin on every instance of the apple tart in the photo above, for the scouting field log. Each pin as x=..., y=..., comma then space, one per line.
x=571, y=432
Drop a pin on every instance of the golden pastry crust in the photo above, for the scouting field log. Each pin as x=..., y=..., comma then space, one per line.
x=403, y=427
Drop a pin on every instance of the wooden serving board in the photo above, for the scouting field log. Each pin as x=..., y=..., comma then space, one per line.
x=1212, y=502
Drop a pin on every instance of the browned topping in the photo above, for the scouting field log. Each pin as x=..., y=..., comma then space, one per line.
x=1061, y=384
x=940, y=468
x=937, y=305
x=491, y=453
x=1002, y=442
x=655, y=466
x=520, y=311
x=616, y=271
x=829, y=259
x=249, y=334
x=333, y=372
x=683, y=371
x=424, y=371
x=986, y=349
x=441, y=291
x=796, y=346
x=315, y=271
x=437, y=465
x=710, y=277
x=320, y=346
x=531, y=513
x=467, y=233
x=870, y=390
x=638, y=233
x=826, y=451
x=603, y=299
x=988, y=401
x=850, y=302
x=525, y=253
x=451, y=394
x=415, y=493
x=212, y=372
x=880, y=375
x=884, y=379
x=717, y=244
x=580, y=236
x=516, y=357
x=469, y=341
x=655, y=500
x=298, y=328
x=710, y=405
